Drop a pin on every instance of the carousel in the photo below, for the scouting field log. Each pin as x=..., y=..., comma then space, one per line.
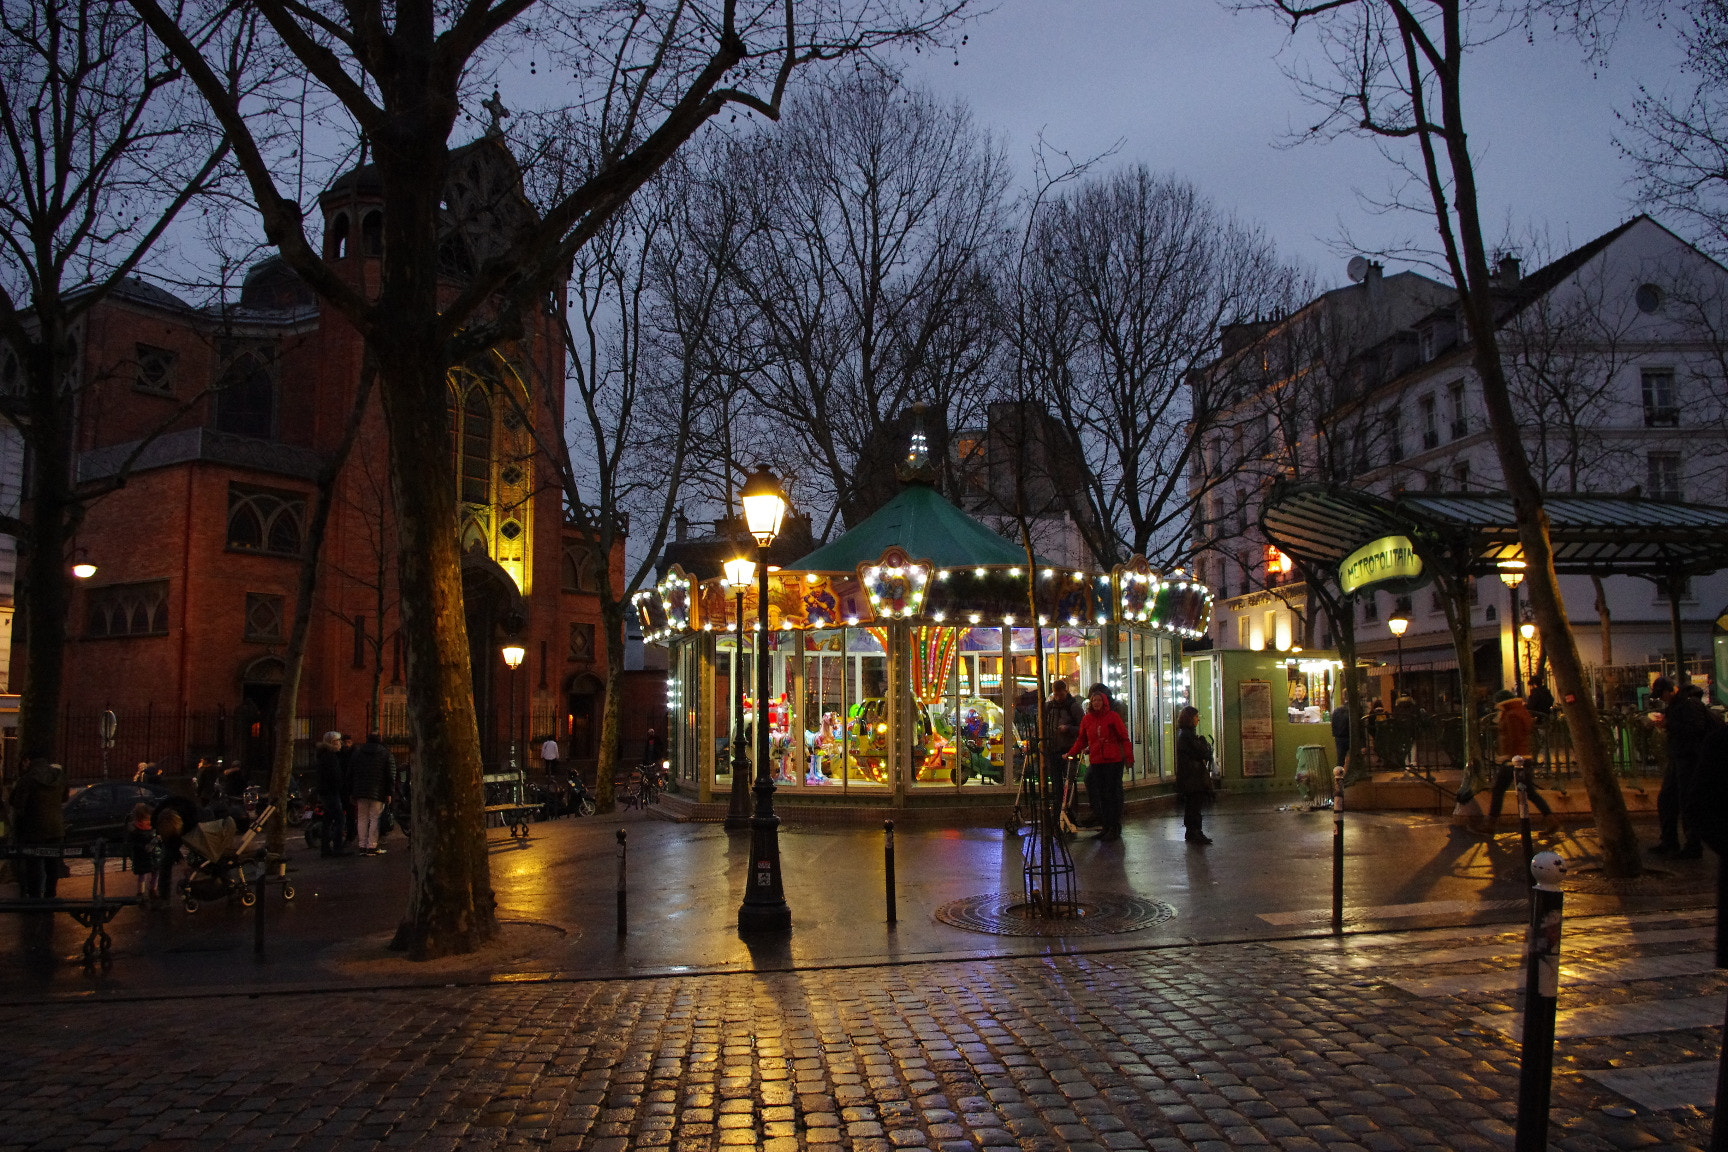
x=903, y=662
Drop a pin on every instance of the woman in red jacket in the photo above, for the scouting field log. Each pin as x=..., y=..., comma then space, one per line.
x=1104, y=737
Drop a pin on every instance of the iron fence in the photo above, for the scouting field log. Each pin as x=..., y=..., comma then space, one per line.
x=177, y=740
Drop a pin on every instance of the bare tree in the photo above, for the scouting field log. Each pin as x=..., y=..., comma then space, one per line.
x=1681, y=144
x=863, y=280
x=1395, y=70
x=101, y=147
x=648, y=76
x=1128, y=278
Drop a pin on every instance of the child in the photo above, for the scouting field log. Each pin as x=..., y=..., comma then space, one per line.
x=139, y=833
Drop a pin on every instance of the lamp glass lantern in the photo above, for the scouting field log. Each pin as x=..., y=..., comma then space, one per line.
x=1511, y=572
x=740, y=571
x=83, y=570
x=1397, y=624
x=764, y=503
x=513, y=654
x=1527, y=630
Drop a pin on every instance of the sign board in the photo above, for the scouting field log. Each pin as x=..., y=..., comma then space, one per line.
x=1259, y=755
x=1379, y=562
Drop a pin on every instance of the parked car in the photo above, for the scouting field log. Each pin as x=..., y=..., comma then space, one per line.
x=101, y=811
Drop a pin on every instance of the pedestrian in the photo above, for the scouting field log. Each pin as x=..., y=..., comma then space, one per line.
x=1193, y=773
x=332, y=794
x=373, y=771
x=206, y=775
x=1104, y=738
x=171, y=819
x=652, y=750
x=349, y=814
x=1540, y=701
x=550, y=755
x=37, y=822
x=140, y=859
x=1687, y=722
x=1710, y=791
x=1513, y=725
x=1341, y=733
x=1062, y=715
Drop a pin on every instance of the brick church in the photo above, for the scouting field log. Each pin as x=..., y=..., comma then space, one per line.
x=226, y=415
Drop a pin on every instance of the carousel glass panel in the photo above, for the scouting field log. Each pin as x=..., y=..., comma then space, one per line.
x=734, y=669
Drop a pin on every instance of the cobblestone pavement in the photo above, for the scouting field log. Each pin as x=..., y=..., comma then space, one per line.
x=1401, y=1040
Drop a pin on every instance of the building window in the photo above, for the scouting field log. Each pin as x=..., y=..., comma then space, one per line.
x=155, y=370
x=1394, y=435
x=264, y=520
x=1660, y=411
x=246, y=397
x=1461, y=476
x=263, y=617
x=1663, y=476
x=359, y=659
x=579, y=572
x=1455, y=414
x=1370, y=608
x=1430, y=414
x=581, y=642
x=128, y=610
x=1648, y=298
x=471, y=421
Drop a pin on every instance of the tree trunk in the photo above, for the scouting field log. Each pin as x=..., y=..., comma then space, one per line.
x=53, y=511
x=611, y=710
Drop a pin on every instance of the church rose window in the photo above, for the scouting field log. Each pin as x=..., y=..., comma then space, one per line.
x=128, y=610
x=264, y=520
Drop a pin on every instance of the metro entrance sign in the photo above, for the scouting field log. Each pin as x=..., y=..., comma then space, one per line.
x=1390, y=558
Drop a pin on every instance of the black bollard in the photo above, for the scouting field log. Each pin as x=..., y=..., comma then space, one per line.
x=623, y=912
x=1541, y=991
x=1523, y=809
x=888, y=869
x=1337, y=851
x=1719, y=1125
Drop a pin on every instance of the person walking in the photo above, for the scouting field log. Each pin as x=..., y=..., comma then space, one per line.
x=372, y=771
x=1513, y=725
x=550, y=755
x=1341, y=733
x=1688, y=722
x=37, y=822
x=1193, y=773
x=332, y=794
x=1104, y=738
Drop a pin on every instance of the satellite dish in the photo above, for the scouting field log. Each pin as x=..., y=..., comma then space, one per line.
x=1357, y=269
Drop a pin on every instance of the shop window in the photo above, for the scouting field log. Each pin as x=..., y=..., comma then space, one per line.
x=155, y=370
x=1310, y=686
x=264, y=520
x=128, y=610
x=263, y=617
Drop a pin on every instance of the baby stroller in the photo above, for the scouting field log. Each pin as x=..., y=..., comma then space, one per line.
x=222, y=864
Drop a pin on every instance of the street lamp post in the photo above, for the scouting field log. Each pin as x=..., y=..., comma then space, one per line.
x=764, y=908
x=1528, y=631
x=1512, y=575
x=1397, y=624
x=513, y=654
x=739, y=573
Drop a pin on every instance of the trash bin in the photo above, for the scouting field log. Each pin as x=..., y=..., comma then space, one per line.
x=1313, y=775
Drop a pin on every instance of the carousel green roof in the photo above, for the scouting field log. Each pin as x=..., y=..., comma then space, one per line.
x=929, y=528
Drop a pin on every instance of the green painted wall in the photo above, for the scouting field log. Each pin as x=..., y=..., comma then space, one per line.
x=1216, y=678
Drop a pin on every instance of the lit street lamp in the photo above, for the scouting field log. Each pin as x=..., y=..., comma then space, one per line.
x=739, y=573
x=1398, y=624
x=1512, y=575
x=764, y=908
x=1528, y=631
x=513, y=654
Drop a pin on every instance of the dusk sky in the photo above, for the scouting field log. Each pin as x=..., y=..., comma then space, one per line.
x=1189, y=87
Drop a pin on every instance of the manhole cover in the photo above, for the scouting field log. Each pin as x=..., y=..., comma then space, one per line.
x=1096, y=914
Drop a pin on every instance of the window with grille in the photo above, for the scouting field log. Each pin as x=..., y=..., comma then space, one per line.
x=155, y=370
x=1660, y=410
x=471, y=422
x=264, y=617
x=127, y=610
x=246, y=396
x=265, y=520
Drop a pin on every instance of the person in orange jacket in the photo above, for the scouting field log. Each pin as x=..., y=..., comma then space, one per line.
x=1514, y=726
x=1104, y=738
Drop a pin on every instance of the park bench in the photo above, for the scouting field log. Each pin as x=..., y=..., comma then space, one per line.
x=506, y=798
x=92, y=912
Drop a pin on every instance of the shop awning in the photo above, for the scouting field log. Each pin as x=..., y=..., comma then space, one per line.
x=1592, y=535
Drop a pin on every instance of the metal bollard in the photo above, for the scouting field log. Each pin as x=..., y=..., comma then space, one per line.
x=623, y=911
x=1719, y=1125
x=1541, y=991
x=1523, y=809
x=1338, y=851
x=888, y=869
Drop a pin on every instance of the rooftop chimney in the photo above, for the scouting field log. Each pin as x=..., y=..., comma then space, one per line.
x=1507, y=270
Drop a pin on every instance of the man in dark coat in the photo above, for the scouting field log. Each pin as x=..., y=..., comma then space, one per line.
x=1062, y=715
x=1688, y=722
x=1341, y=733
x=371, y=773
x=37, y=822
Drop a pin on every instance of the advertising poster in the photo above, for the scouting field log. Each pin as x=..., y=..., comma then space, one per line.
x=1258, y=756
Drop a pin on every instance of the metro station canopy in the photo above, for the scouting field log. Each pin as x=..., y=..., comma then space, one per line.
x=1475, y=533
